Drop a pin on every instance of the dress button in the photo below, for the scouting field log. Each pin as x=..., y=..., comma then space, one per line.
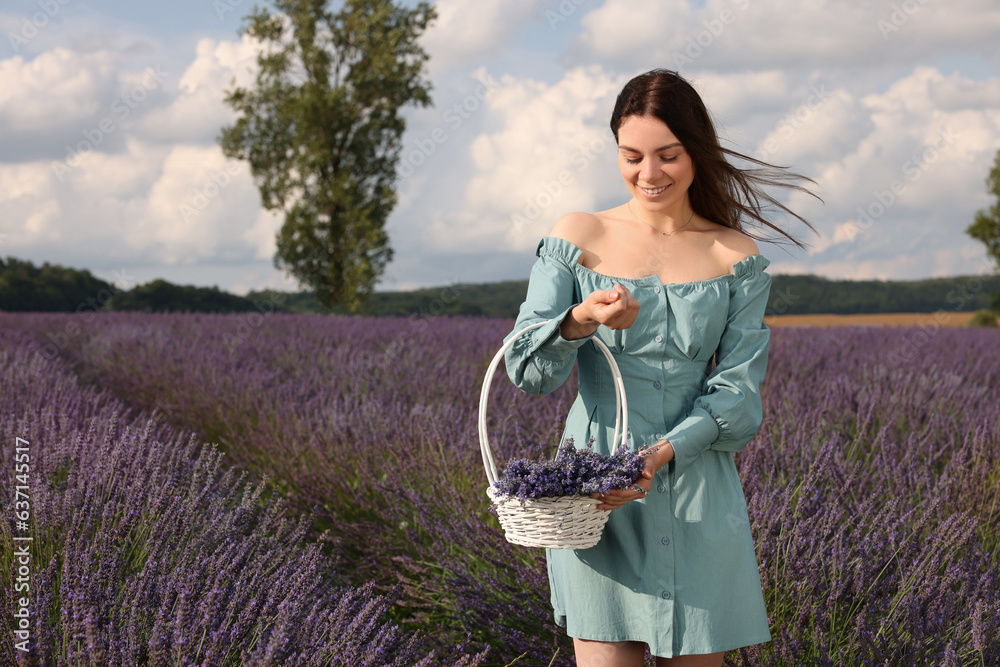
x=656, y=384
x=665, y=540
x=657, y=289
x=665, y=595
x=661, y=488
x=659, y=338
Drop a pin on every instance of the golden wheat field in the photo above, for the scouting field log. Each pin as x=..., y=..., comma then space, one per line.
x=940, y=318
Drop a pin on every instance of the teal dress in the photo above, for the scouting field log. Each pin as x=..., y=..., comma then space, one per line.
x=676, y=569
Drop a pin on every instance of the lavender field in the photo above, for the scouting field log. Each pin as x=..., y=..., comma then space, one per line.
x=308, y=490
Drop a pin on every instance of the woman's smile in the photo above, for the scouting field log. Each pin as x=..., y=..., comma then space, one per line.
x=655, y=167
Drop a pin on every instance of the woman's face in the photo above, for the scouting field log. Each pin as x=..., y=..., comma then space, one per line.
x=655, y=166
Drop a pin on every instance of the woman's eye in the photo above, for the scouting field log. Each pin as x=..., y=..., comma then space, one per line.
x=672, y=158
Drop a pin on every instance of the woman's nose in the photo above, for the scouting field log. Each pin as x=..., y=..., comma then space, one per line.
x=648, y=172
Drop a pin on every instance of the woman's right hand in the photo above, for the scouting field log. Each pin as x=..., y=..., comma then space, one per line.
x=615, y=309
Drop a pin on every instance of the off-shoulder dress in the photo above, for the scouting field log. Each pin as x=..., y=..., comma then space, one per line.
x=676, y=569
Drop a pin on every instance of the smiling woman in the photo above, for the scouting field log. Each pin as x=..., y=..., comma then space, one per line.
x=673, y=286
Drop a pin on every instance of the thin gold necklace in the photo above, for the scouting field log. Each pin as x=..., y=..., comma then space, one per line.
x=628, y=205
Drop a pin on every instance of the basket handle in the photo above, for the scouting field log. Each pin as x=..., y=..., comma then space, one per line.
x=621, y=406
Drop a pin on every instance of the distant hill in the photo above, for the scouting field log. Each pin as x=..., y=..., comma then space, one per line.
x=53, y=288
x=50, y=287
x=160, y=296
x=805, y=295
x=500, y=299
x=25, y=287
x=790, y=295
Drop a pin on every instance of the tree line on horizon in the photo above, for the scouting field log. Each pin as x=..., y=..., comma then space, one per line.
x=25, y=287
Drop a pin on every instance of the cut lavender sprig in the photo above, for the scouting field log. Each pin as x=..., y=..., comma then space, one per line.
x=572, y=472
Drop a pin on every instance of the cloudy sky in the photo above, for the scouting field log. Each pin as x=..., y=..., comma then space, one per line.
x=109, y=112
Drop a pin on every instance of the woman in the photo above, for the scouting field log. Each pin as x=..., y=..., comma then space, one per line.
x=669, y=281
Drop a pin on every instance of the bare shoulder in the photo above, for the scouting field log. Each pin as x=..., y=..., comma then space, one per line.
x=580, y=229
x=732, y=246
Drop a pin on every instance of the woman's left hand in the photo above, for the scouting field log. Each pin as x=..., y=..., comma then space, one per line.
x=656, y=457
x=619, y=497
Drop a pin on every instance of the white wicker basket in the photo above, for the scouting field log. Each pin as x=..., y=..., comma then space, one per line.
x=566, y=522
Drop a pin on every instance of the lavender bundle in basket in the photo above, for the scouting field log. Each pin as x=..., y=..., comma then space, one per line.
x=572, y=472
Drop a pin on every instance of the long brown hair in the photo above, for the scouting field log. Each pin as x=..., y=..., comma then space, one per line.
x=721, y=192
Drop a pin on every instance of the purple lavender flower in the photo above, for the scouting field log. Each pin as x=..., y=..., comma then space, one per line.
x=872, y=490
x=572, y=472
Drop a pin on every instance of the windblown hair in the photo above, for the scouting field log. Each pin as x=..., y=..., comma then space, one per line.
x=721, y=192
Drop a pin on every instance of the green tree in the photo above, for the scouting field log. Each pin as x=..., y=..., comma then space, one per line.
x=160, y=296
x=986, y=227
x=50, y=287
x=322, y=132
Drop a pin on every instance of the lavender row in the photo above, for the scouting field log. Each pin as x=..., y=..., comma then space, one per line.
x=149, y=549
x=366, y=424
x=873, y=484
x=874, y=498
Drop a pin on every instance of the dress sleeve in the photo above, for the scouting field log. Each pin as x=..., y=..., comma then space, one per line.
x=541, y=360
x=728, y=413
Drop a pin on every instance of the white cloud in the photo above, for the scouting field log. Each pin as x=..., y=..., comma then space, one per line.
x=131, y=205
x=956, y=92
x=636, y=30
x=541, y=160
x=30, y=210
x=467, y=32
x=45, y=103
x=765, y=34
x=831, y=120
x=198, y=112
x=42, y=91
x=149, y=194
x=923, y=155
x=783, y=266
x=189, y=215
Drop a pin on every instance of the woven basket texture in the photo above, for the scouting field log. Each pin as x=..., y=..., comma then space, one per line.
x=565, y=522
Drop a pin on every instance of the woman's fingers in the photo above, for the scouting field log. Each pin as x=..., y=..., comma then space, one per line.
x=619, y=497
x=629, y=307
x=616, y=308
